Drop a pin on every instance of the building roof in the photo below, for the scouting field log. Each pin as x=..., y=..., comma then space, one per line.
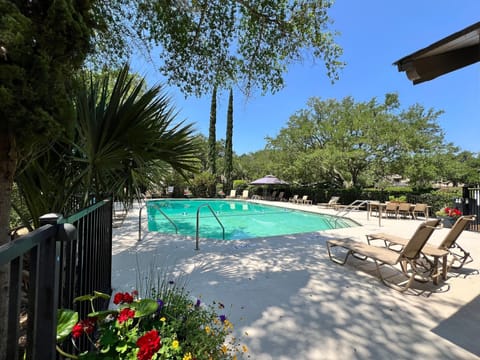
x=448, y=54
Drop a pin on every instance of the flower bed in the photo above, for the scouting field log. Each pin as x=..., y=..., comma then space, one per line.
x=166, y=326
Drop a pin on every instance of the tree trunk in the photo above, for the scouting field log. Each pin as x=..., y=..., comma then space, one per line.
x=8, y=162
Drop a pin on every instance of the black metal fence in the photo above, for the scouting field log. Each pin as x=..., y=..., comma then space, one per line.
x=63, y=259
x=470, y=205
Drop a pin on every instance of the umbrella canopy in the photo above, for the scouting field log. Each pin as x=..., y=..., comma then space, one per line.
x=269, y=180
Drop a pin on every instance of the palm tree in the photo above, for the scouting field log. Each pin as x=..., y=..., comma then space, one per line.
x=123, y=139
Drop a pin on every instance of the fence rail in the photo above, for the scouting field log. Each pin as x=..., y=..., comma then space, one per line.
x=471, y=205
x=48, y=268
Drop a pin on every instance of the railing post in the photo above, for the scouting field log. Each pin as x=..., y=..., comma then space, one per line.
x=45, y=326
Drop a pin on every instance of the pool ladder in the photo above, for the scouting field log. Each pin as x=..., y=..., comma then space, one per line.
x=198, y=224
x=161, y=212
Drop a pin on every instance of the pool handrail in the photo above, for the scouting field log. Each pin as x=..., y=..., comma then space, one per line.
x=198, y=224
x=161, y=211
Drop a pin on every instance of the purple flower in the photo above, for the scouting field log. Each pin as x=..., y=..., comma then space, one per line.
x=160, y=304
x=222, y=318
x=171, y=282
x=197, y=304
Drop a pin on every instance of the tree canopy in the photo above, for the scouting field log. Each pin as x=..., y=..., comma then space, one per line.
x=202, y=44
x=347, y=143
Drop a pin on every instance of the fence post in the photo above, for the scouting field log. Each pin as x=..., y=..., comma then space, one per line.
x=48, y=278
x=45, y=327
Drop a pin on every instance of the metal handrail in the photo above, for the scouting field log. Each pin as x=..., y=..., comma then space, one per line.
x=140, y=220
x=353, y=206
x=198, y=223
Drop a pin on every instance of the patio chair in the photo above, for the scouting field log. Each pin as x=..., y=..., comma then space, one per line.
x=391, y=209
x=333, y=202
x=245, y=194
x=280, y=196
x=404, y=210
x=384, y=256
x=448, y=246
x=293, y=199
x=420, y=209
x=233, y=194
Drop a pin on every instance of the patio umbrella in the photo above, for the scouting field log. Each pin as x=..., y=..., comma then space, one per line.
x=268, y=180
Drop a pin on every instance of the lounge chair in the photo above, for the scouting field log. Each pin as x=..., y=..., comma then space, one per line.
x=293, y=199
x=384, y=256
x=272, y=196
x=448, y=246
x=245, y=194
x=304, y=200
x=332, y=203
x=280, y=196
x=233, y=194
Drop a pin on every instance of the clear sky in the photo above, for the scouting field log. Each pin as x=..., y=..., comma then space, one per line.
x=374, y=34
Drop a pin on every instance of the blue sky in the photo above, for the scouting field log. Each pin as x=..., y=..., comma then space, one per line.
x=373, y=34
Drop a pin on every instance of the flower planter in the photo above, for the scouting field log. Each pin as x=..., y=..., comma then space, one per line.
x=448, y=221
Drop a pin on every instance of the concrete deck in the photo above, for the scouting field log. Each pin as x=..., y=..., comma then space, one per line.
x=294, y=303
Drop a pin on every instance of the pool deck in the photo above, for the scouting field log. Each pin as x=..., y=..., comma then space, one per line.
x=287, y=300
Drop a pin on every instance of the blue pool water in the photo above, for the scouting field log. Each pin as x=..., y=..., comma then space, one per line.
x=241, y=219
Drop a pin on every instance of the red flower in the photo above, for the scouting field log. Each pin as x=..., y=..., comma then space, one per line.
x=125, y=314
x=77, y=330
x=149, y=344
x=123, y=298
x=118, y=298
x=453, y=212
x=87, y=326
x=127, y=298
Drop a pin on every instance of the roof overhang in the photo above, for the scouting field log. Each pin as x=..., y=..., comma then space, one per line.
x=451, y=53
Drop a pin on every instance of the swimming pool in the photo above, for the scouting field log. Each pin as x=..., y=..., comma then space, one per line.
x=241, y=219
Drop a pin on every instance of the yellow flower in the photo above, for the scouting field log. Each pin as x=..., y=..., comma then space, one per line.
x=162, y=319
x=244, y=348
x=234, y=357
x=224, y=349
x=175, y=344
x=207, y=329
x=187, y=356
x=227, y=324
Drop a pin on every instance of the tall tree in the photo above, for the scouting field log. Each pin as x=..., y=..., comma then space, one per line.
x=41, y=44
x=229, y=143
x=212, y=151
x=350, y=144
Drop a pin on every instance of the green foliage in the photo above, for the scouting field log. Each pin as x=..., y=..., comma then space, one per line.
x=355, y=144
x=45, y=42
x=123, y=139
x=177, y=327
x=219, y=43
x=240, y=185
x=439, y=199
x=212, y=150
x=204, y=185
x=401, y=198
x=229, y=142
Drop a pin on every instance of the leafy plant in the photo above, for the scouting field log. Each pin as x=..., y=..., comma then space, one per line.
x=167, y=325
x=451, y=212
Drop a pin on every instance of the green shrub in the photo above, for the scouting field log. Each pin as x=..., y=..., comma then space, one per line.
x=240, y=185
